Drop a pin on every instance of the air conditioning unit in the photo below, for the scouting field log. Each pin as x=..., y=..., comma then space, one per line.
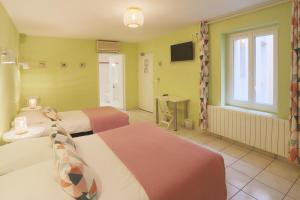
x=108, y=46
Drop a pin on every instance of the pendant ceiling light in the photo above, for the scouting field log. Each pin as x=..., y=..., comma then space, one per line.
x=133, y=17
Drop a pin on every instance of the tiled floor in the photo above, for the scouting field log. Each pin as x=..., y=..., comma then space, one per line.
x=250, y=174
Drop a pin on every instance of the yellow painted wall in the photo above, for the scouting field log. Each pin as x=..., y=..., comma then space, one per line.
x=72, y=87
x=9, y=74
x=179, y=78
x=279, y=16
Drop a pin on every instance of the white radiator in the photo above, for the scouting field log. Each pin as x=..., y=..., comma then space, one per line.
x=256, y=129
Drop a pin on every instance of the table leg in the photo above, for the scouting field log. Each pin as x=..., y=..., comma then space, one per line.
x=156, y=110
x=186, y=110
x=175, y=117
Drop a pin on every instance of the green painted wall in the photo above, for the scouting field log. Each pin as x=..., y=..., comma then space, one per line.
x=180, y=78
x=63, y=88
x=130, y=50
x=279, y=16
x=9, y=74
x=72, y=87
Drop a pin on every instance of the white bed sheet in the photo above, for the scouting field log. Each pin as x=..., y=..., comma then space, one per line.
x=74, y=121
x=34, y=117
x=24, y=153
x=38, y=182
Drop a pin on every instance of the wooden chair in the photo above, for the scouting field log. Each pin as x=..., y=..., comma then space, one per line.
x=167, y=116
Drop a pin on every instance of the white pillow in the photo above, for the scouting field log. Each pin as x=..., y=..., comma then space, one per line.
x=34, y=117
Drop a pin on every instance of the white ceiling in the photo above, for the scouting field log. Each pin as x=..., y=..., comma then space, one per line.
x=103, y=19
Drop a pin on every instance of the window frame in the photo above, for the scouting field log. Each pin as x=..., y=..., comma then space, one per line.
x=251, y=36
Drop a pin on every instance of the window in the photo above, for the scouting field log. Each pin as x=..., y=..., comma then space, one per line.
x=252, y=72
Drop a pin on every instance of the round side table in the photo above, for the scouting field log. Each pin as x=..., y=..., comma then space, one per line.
x=38, y=108
x=32, y=132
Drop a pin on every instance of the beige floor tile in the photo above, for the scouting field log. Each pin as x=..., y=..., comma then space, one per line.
x=210, y=148
x=236, y=151
x=188, y=133
x=195, y=137
x=257, y=159
x=236, y=178
x=228, y=160
x=284, y=169
x=231, y=190
x=288, y=198
x=298, y=181
x=295, y=192
x=190, y=140
x=246, y=168
x=218, y=144
x=262, y=192
x=204, y=139
x=193, y=132
x=140, y=116
x=137, y=118
x=276, y=182
x=242, y=196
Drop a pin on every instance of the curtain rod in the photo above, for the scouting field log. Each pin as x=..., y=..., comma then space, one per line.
x=246, y=11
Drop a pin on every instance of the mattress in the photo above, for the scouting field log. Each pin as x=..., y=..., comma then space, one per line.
x=38, y=181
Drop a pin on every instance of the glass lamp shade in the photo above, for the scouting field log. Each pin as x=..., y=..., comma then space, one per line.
x=32, y=102
x=7, y=58
x=133, y=18
x=20, y=125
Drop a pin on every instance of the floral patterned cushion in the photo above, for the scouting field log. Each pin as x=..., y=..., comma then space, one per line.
x=51, y=113
x=59, y=136
x=73, y=175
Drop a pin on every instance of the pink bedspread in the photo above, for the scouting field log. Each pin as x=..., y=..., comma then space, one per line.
x=106, y=118
x=168, y=168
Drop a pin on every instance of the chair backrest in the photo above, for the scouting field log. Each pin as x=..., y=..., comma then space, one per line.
x=164, y=108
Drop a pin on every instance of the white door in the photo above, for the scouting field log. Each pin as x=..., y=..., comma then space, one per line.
x=111, y=80
x=146, y=82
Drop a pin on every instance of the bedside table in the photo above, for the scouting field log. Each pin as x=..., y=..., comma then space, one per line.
x=31, y=109
x=32, y=132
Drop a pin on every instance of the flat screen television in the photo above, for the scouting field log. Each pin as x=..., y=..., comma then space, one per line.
x=182, y=52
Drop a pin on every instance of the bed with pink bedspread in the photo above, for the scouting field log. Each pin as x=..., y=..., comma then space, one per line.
x=168, y=167
x=106, y=118
x=135, y=162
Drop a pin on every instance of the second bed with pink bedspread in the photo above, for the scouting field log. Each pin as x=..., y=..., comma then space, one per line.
x=106, y=118
x=168, y=168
